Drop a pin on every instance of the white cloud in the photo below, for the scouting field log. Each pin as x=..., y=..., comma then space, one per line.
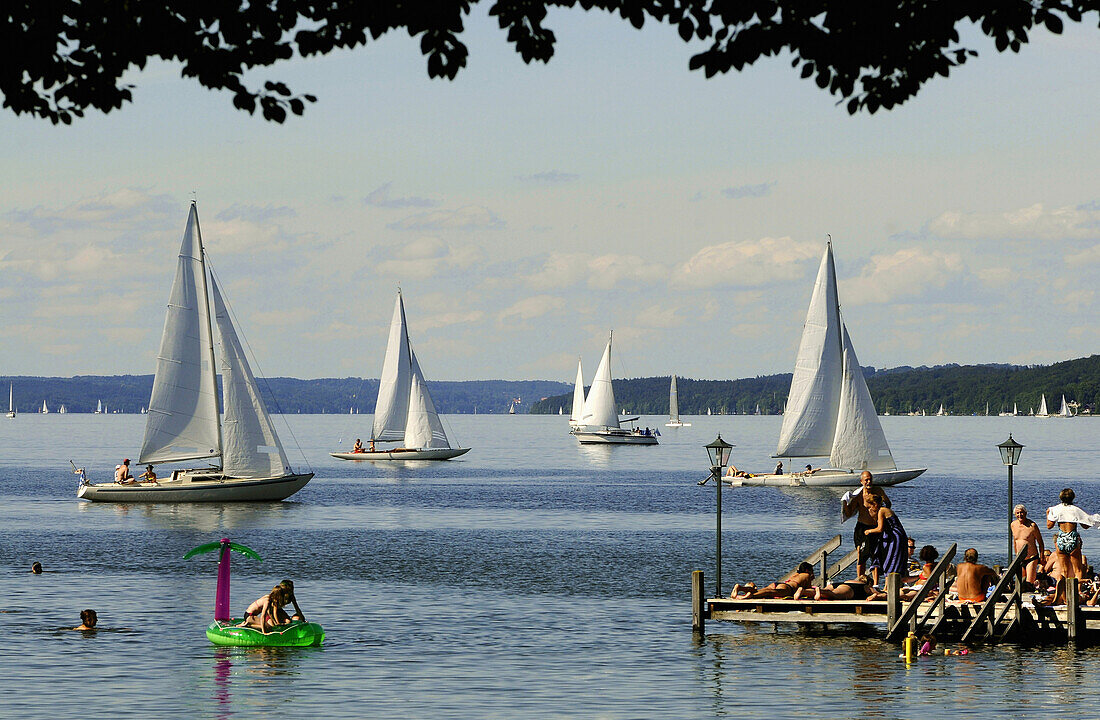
x=563, y=270
x=532, y=307
x=741, y=263
x=1030, y=223
x=381, y=197
x=424, y=258
x=470, y=217
x=905, y=273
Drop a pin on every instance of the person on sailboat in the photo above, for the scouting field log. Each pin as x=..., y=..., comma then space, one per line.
x=853, y=503
x=358, y=446
x=149, y=476
x=122, y=473
x=778, y=468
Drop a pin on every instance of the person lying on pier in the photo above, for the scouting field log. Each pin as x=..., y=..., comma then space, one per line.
x=973, y=580
x=853, y=503
x=858, y=589
x=1025, y=534
x=1067, y=542
x=800, y=578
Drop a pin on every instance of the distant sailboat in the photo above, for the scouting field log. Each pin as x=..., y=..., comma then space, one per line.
x=1065, y=411
x=674, y=407
x=512, y=408
x=708, y=411
x=830, y=412
x=987, y=408
x=98, y=408
x=757, y=409
x=599, y=421
x=45, y=409
x=11, y=400
x=577, y=410
x=404, y=412
x=62, y=410
x=1014, y=412
x=941, y=412
x=559, y=409
x=1043, y=407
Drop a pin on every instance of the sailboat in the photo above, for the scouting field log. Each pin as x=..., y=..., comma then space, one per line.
x=11, y=400
x=599, y=423
x=941, y=412
x=62, y=410
x=829, y=410
x=1065, y=411
x=674, y=407
x=512, y=408
x=184, y=422
x=98, y=408
x=404, y=411
x=1043, y=407
x=45, y=409
x=1014, y=412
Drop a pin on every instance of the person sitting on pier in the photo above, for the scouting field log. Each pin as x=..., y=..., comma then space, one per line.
x=800, y=578
x=928, y=556
x=858, y=589
x=1067, y=542
x=1025, y=534
x=912, y=562
x=853, y=503
x=973, y=580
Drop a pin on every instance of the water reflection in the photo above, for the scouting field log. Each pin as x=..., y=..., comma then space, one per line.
x=239, y=672
x=204, y=517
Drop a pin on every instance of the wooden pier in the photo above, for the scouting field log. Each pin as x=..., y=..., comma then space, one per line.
x=1004, y=617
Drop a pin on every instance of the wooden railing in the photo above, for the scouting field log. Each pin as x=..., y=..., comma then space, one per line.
x=821, y=557
x=898, y=622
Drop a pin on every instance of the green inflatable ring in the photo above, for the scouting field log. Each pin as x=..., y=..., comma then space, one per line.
x=296, y=634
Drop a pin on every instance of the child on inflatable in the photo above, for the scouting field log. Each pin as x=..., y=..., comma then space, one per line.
x=264, y=612
x=288, y=597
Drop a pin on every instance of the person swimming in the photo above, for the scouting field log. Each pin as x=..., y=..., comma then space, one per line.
x=88, y=620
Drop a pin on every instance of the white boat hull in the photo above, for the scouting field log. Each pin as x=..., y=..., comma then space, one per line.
x=825, y=478
x=677, y=423
x=622, y=437
x=401, y=454
x=197, y=486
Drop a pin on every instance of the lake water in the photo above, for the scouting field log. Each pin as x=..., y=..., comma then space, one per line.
x=531, y=578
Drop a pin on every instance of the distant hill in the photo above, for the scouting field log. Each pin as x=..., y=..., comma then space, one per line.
x=130, y=393
x=963, y=390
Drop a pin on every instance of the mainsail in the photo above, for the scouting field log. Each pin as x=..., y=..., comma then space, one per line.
x=1043, y=408
x=599, y=406
x=182, y=421
x=809, y=422
x=392, y=409
x=673, y=402
x=250, y=446
x=577, y=410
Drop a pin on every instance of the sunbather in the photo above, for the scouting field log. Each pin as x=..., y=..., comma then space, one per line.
x=800, y=578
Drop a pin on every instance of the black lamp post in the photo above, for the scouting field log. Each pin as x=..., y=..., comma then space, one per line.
x=1010, y=455
x=719, y=453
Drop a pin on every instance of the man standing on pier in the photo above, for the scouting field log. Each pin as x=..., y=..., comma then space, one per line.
x=1025, y=533
x=852, y=504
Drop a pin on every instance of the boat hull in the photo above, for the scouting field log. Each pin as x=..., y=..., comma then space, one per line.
x=425, y=454
x=185, y=486
x=677, y=423
x=826, y=478
x=613, y=438
x=296, y=634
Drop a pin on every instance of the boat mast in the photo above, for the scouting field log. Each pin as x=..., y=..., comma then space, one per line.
x=209, y=332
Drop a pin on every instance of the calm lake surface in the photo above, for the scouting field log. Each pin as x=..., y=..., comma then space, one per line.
x=531, y=578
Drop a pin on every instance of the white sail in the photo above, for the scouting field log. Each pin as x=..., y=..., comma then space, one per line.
x=1043, y=407
x=99, y=407
x=250, y=446
x=45, y=409
x=392, y=409
x=11, y=399
x=673, y=402
x=599, y=406
x=423, y=428
x=809, y=421
x=859, y=443
x=1064, y=412
x=577, y=410
x=182, y=421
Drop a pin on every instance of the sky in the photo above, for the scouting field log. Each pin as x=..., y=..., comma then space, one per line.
x=527, y=210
